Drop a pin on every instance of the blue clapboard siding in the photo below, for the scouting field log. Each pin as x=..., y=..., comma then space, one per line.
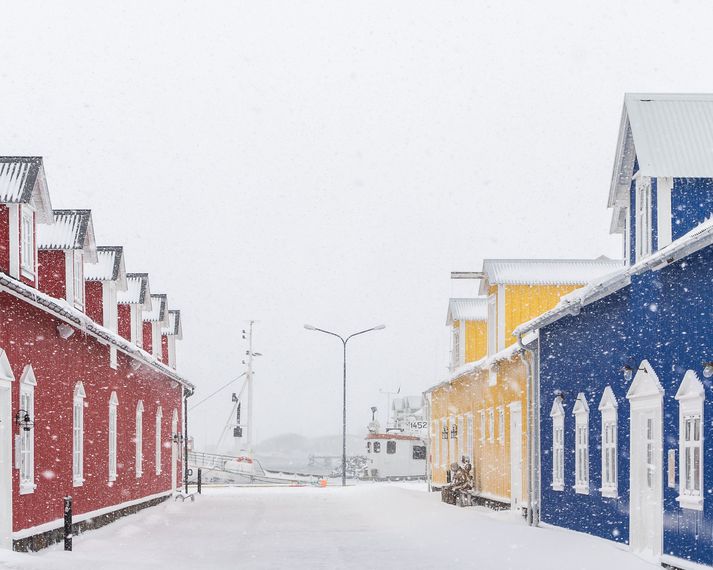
x=691, y=204
x=665, y=317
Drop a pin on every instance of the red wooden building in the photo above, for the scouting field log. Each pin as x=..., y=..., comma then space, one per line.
x=90, y=401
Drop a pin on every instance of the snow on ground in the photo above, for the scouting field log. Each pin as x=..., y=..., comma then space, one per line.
x=365, y=526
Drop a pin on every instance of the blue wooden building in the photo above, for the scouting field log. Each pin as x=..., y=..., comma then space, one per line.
x=625, y=375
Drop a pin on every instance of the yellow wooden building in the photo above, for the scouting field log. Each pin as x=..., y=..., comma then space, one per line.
x=479, y=411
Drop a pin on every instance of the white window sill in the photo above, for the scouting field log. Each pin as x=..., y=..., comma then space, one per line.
x=610, y=493
x=557, y=487
x=28, y=273
x=77, y=482
x=138, y=475
x=688, y=502
x=27, y=488
x=158, y=473
x=112, y=478
x=581, y=489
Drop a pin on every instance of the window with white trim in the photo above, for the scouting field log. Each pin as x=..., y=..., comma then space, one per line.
x=461, y=436
x=27, y=433
x=643, y=217
x=452, y=439
x=159, y=415
x=482, y=426
x=608, y=408
x=491, y=425
x=469, y=436
x=139, y=438
x=690, y=396
x=557, y=415
x=78, y=279
x=78, y=435
x=581, y=444
x=501, y=425
x=492, y=325
x=27, y=237
x=113, y=406
x=455, y=350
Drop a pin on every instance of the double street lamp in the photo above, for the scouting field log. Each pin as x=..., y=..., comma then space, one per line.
x=344, y=402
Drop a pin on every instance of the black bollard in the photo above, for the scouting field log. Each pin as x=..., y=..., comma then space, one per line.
x=200, y=479
x=68, y=523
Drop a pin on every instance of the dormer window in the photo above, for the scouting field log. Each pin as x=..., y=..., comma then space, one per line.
x=643, y=217
x=78, y=279
x=28, y=242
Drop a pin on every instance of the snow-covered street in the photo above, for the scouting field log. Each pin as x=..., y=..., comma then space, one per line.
x=367, y=526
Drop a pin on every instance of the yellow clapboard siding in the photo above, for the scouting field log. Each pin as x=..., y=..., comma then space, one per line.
x=476, y=340
x=525, y=302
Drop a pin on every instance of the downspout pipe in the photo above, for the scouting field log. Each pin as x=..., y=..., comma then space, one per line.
x=532, y=518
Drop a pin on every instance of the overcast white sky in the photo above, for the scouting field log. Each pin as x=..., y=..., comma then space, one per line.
x=332, y=162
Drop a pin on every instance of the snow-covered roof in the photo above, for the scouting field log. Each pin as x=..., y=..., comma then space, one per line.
x=545, y=271
x=109, y=266
x=71, y=229
x=68, y=313
x=486, y=362
x=158, y=311
x=174, y=324
x=467, y=309
x=698, y=238
x=671, y=135
x=137, y=291
x=22, y=181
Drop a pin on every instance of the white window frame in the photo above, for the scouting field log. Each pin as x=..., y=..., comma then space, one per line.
x=492, y=324
x=452, y=440
x=581, y=444
x=643, y=217
x=461, y=438
x=78, y=278
x=491, y=425
x=113, y=421
x=78, y=435
x=455, y=348
x=26, y=451
x=501, y=425
x=690, y=396
x=557, y=415
x=27, y=241
x=482, y=426
x=469, y=436
x=159, y=441
x=139, y=439
x=608, y=406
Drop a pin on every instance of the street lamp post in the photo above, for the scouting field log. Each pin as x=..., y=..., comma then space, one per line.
x=344, y=399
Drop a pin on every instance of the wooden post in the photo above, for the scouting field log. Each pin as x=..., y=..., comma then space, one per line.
x=68, y=523
x=200, y=473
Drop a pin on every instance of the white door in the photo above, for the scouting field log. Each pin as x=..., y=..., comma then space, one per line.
x=646, y=512
x=515, y=454
x=174, y=451
x=646, y=462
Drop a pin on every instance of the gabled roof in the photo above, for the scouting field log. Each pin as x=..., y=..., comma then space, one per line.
x=108, y=267
x=137, y=291
x=671, y=135
x=571, y=304
x=71, y=229
x=545, y=271
x=159, y=309
x=608, y=400
x=581, y=406
x=557, y=409
x=691, y=387
x=467, y=309
x=22, y=181
x=174, y=326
